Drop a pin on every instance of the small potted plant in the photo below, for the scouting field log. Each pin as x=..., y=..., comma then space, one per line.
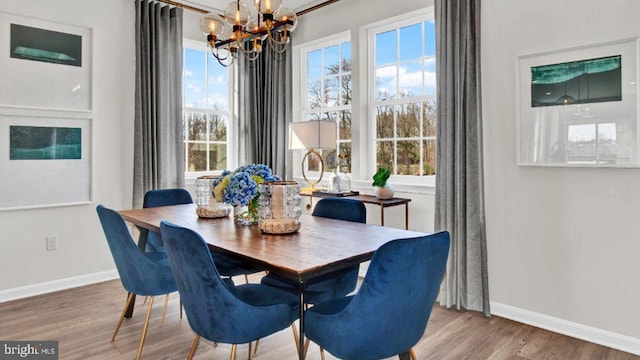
x=381, y=188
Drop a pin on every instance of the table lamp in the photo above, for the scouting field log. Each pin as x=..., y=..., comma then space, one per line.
x=312, y=136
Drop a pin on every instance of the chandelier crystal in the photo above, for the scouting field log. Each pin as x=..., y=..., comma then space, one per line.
x=240, y=31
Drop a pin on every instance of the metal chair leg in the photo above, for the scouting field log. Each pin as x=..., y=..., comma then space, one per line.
x=412, y=354
x=124, y=311
x=164, y=309
x=194, y=347
x=246, y=278
x=322, y=354
x=144, y=329
x=296, y=337
x=233, y=351
x=180, y=308
x=255, y=350
x=249, y=355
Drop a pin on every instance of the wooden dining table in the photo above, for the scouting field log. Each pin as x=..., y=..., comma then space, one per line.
x=320, y=246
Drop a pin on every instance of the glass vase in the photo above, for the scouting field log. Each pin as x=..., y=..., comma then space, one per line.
x=279, y=207
x=207, y=206
x=246, y=215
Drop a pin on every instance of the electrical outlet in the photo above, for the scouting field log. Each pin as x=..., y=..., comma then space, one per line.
x=52, y=243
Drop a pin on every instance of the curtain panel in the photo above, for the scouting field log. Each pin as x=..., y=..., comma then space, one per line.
x=459, y=203
x=158, y=138
x=265, y=109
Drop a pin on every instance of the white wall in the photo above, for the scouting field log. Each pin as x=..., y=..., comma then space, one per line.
x=82, y=254
x=562, y=242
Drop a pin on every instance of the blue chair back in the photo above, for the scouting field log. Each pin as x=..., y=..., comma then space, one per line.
x=213, y=309
x=341, y=209
x=140, y=273
x=162, y=197
x=166, y=197
x=389, y=314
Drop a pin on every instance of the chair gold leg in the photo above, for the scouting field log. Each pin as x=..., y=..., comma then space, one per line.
x=246, y=278
x=180, y=308
x=306, y=347
x=145, y=299
x=164, y=308
x=412, y=354
x=233, y=351
x=296, y=337
x=255, y=350
x=124, y=311
x=144, y=329
x=249, y=355
x=194, y=347
x=322, y=354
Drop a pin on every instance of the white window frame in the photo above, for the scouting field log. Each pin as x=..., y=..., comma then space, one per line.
x=372, y=30
x=302, y=51
x=190, y=176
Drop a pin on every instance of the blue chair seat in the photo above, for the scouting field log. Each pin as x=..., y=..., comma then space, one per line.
x=390, y=312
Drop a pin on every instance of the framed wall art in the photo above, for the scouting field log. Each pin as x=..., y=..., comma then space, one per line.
x=45, y=161
x=579, y=106
x=44, y=64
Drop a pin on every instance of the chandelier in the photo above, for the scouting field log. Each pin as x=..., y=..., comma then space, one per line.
x=239, y=31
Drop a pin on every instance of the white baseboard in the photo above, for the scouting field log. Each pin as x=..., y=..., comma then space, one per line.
x=56, y=285
x=583, y=332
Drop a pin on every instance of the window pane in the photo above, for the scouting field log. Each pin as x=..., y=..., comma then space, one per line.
x=194, y=64
x=410, y=81
x=384, y=122
x=408, y=121
x=332, y=60
x=218, y=157
x=345, y=157
x=386, y=82
x=429, y=157
x=344, y=126
x=331, y=91
x=429, y=38
x=384, y=155
x=314, y=94
x=194, y=93
x=314, y=64
x=330, y=158
x=410, y=40
x=313, y=162
x=217, y=127
x=314, y=116
x=217, y=80
x=197, y=123
x=197, y=157
x=430, y=76
x=346, y=54
x=429, y=118
x=386, y=48
x=408, y=157
x=345, y=89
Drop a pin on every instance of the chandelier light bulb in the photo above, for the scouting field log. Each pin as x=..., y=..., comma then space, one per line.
x=267, y=6
x=237, y=13
x=214, y=25
x=286, y=14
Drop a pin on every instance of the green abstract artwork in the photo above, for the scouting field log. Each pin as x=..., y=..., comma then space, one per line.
x=45, y=143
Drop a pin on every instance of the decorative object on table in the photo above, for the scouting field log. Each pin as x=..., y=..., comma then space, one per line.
x=324, y=194
x=578, y=107
x=239, y=188
x=312, y=136
x=238, y=30
x=279, y=207
x=382, y=189
x=208, y=207
x=334, y=182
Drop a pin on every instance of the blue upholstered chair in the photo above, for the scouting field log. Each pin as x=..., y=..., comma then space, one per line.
x=389, y=314
x=141, y=273
x=334, y=285
x=226, y=265
x=217, y=312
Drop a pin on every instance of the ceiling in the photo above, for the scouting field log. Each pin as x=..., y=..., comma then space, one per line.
x=219, y=5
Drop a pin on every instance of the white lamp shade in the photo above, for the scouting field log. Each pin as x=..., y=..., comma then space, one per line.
x=315, y=134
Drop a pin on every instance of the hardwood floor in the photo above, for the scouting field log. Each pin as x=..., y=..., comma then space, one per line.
x=82, y=320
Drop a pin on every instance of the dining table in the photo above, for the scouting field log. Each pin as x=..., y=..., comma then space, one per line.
x=319, y=247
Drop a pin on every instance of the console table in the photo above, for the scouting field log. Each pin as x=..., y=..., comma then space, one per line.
x=370, y=199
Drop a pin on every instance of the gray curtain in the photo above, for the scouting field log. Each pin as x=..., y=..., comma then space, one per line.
x=265, y=109
x=158, y=157
x=459, y=181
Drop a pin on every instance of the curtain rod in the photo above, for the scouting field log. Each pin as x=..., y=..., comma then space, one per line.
x=203, y=11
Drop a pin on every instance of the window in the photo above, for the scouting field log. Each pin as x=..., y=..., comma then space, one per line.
x=327, y=89
x=594, y=143
x=206, y=111
x=403, y=96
